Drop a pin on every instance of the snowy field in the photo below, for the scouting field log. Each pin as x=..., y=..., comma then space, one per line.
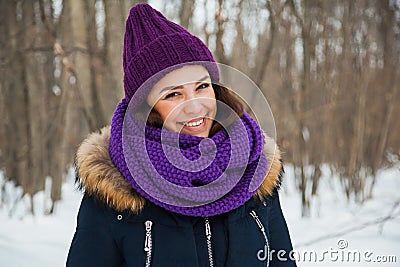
x=337, y=234
x=346, y=234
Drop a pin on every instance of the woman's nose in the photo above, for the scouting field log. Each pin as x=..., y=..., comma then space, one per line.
x=193, y=105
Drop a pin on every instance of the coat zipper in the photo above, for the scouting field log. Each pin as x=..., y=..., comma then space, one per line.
x=148, y=242
x=262, y=229
x=208, y=238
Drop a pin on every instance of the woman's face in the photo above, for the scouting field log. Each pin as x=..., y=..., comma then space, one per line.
x=185, y=100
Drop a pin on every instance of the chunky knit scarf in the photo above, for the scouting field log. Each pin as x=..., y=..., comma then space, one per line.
x=186, y=174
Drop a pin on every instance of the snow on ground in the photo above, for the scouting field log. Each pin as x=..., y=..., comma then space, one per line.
x=44, y=240
x=40, y=240
x=352, y=241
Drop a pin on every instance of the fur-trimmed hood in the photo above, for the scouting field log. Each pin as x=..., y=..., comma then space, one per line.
x=97, y=174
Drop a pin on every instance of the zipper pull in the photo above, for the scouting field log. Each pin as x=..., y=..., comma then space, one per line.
x=208, y=228
x=147, y=241
x=208, y=237
x=260, y=225
x=262, y=229
x=148, y=225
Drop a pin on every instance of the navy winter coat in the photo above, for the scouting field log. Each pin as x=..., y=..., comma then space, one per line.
x=117, y=227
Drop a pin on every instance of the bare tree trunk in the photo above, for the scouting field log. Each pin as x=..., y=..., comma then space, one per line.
x=8, y=36
x=81, y=59
x=186, y=12
x=35, y=90
x=116, y=13
x=96, y=66
x=4, y=34
x=17, y=104
x=206, y=33
x=267, y=50
x=52, y=112
x=391, y=78
x=219, y=44
x=301, y=103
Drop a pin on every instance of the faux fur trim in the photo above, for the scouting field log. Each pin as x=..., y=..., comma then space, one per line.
x=97, y=175
x=273, y=179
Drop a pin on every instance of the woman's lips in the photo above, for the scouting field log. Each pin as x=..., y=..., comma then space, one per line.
x=195, y=120
x=194, y=124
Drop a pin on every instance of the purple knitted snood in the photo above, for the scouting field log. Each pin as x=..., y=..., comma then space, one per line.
x=185, y=174
x=222, y=183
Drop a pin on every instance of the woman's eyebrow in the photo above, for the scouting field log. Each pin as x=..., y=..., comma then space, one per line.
x=180, y=86
x=204, y=78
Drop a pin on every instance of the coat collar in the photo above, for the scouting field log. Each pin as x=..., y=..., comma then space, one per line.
x=98, y=176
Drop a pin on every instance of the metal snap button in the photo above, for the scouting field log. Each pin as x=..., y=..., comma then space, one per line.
x=119, y=217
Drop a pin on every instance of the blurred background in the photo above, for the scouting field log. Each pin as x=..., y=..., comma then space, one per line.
x=329, y=70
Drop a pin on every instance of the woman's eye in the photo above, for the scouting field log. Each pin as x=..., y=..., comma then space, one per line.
x=171, y=95
x=203, y=85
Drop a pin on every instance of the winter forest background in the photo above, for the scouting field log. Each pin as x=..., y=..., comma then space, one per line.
x=329, y=70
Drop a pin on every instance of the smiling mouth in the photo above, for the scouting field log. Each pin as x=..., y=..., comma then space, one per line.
x=194, y=122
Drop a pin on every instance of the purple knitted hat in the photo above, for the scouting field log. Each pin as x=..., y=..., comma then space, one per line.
x=152, y=44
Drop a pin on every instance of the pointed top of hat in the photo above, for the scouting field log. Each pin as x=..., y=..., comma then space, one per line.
x=153, y=43
x=144, y=25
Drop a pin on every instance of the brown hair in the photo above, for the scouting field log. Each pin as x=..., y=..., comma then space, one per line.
x=224, y=115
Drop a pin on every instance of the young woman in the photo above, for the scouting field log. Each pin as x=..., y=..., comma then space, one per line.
x=141, y=209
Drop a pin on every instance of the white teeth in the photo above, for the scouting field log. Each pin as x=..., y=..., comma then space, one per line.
x=195, y=123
